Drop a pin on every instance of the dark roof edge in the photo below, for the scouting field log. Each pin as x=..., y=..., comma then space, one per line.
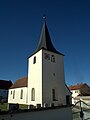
x=67, y=88
x=17, y=87
x=46, y=50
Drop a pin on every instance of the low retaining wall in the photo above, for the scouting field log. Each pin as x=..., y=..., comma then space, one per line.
x=57, y=113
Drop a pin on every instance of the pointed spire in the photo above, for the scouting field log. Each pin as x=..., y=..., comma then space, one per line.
x=45, y=40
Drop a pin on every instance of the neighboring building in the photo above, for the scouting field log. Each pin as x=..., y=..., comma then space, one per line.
x=46, y=82
x=4, y=87
x=79, y=91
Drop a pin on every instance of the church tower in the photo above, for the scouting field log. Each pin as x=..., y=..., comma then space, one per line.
x=46, y=83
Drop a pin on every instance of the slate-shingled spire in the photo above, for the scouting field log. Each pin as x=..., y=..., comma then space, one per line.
x=45, y=40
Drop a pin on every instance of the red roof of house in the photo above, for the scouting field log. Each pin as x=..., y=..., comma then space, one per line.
x=5, y=84
x=20, y=83
x=75, y=87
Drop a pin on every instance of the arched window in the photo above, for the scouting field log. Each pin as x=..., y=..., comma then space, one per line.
x=21, y=95
x=33, y=94
x=53, y=94
x=52, y=58
x=14, y=94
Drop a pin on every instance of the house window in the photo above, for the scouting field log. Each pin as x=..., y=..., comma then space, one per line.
x=34, y=60
x=52, y=58
x=33, y=94
x=14, y=94
x=53, y=94
x=76, y=91
x=21, y=95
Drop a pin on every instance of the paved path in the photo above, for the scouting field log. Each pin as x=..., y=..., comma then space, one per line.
x=87, y=115
x=80, y=119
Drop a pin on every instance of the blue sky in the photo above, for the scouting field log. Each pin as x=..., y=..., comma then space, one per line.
x=68, y=23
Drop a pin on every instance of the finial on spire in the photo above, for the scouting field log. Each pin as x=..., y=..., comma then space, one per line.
x=44, y=18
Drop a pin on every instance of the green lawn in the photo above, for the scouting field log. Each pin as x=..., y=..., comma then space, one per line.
x=23, y=106
x=3, y=107
x=76, y=113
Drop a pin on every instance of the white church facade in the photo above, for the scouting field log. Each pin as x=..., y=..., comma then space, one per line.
x=45, y=83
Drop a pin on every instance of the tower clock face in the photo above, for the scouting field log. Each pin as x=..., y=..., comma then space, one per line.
x=47, y=56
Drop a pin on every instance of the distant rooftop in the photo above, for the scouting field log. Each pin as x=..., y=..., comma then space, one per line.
x=75, y=87
x=4, y=84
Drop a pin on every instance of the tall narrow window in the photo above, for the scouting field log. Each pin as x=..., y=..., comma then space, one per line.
x=53, y=94
x=68, y=99
x=52, y=58
x=33, y=94
x=14, y=94
x=21, y=95
x=34, y=60
x=11, y=92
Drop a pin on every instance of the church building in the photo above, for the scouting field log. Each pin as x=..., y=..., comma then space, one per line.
x=45, y=83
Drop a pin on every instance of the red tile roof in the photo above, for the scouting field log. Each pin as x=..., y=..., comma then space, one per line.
x=20, y=83
x=76, y=87
x=5, y=84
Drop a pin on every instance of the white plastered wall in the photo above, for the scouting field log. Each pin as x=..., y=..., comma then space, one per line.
x=17, y=95
x=51, y=81
x=75, y=93
x=35, y=78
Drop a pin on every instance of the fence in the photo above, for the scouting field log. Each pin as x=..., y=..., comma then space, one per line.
x=81, y=111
